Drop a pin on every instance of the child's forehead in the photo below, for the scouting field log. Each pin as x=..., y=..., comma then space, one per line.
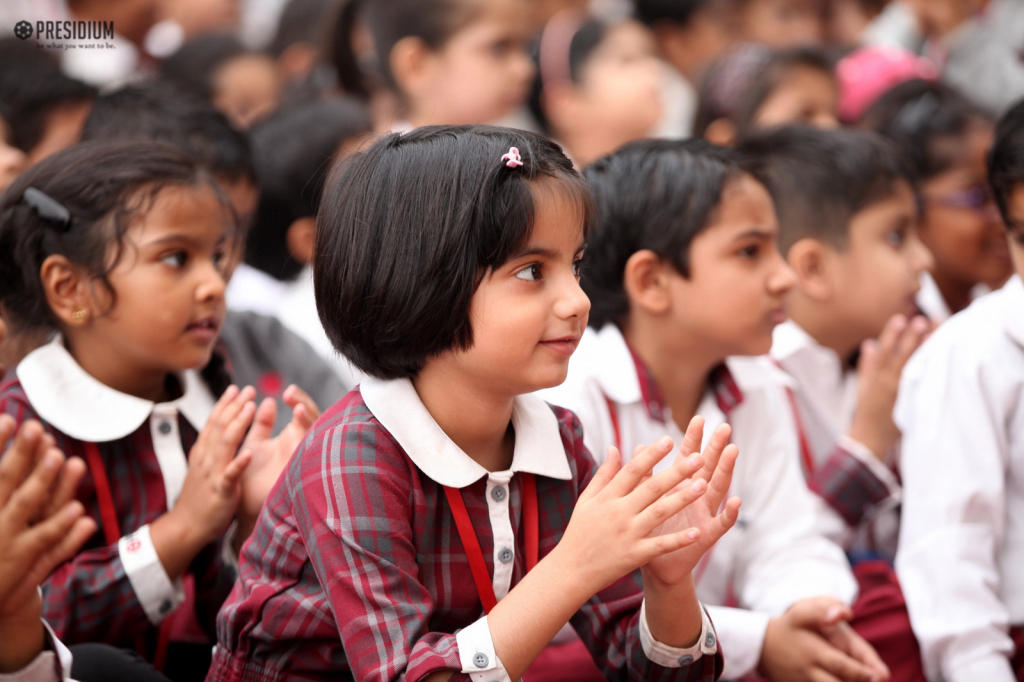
x=194, y=211
x=560, y=214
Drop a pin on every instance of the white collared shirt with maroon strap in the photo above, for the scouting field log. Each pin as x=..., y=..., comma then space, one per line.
x=774, y=556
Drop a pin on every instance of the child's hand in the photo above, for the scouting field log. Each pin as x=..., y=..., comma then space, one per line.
x=271, y=455
x=618, y=524
x=41, y=526
x=812, y=641
x=703, y=514
x=878, y=374
x=212, y=487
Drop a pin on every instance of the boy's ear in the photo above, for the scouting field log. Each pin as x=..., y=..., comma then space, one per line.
x=409, y=60
x=809, y=259
x=67, y=292
x=646, y=281
x=722, y=132
x=300, y=237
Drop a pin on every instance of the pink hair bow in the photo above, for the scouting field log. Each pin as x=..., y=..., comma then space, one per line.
x=513, y=159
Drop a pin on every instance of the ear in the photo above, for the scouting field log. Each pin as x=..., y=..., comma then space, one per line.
x=811, y=260
x=299, y=239
x=722, y=132
x=67, y=292
x=410, y=62
x=646, y=281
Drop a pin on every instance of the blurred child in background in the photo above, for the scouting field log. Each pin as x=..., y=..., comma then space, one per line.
x=446, y=61
x=946, y=140
x=243, y=84
x=960, y=413
x=752, y=88
x=597, y=85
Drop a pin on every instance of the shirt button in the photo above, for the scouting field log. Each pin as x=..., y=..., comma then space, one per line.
x=165, y=606
x=709, y=641
x=498, y=494
x=165, y=428
x=686, y=659
x=480, y=660
x=505, y=555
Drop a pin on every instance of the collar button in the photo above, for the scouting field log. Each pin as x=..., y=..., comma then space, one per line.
x=165, y=427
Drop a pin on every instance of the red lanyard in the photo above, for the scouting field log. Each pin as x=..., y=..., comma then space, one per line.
x=484, y=586
x=805, y=448
x=112, y=533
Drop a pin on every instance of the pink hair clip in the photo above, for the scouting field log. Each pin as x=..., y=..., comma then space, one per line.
x=513, y=158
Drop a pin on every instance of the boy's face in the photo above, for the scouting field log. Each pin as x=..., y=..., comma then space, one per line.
x=782, y=24
x=734, y=296
x=878, y=274
x=805, y=95
x=528, y=315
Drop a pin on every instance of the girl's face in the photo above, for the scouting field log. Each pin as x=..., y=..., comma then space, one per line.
x=804, y=95
x=961, y=224
x=169, y=286
x=528, y=315
x=734, y=296
x=482, y=73
x=246, y=89
x=620, y=86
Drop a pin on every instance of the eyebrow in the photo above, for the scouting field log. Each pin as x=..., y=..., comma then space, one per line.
x=178, y=238
x=757, y=233
x=543, y=251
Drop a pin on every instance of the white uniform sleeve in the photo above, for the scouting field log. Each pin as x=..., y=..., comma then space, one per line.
x=954, y=459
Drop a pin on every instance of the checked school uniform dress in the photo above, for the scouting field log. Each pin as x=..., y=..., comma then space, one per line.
x=773, y=556
x=115, y=590
x=357, y=569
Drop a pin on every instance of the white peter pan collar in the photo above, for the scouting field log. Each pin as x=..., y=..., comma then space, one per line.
x=69, y=398
x=396, y=405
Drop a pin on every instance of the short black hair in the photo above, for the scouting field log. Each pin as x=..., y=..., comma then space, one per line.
x=651, y=194
x=161, y=111
x=106, y=187
x=1006, y=160
x=32, y=86
x=302, y=21
x=915, y=115
x=408, y=228
x=293, y=150
x=820, y=178
x=653, y=12
x=737, y=85
x=590, y=33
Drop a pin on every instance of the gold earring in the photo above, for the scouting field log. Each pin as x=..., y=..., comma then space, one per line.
x=80, y=314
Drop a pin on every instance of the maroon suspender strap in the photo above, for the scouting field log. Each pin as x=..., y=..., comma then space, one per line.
x=615, y=424
x=475, y=555
x=805, y=448
x=112, y=534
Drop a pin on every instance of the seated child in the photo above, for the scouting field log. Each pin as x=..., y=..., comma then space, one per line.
x=259, y=350
x=684, y=277
x=751, y=88
x=128, y=274
x=946, y=140
x=847, y=218
x=597, y=84
x=961, y=540
x=778, y=24
x=293, y=150
x=423, y=530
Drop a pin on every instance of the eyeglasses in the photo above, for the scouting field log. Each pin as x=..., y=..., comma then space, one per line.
x=974, y=198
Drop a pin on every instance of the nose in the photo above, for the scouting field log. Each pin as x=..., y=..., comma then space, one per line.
x=212, y=284
x=782, y=278
x=572, y=302
x=921, y=258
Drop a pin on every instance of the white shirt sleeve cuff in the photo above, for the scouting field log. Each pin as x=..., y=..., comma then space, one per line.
x=741, y=633
x=992, y=668
x=675, y=657
x=476, y=653
x=864, y=454
x=157, y=594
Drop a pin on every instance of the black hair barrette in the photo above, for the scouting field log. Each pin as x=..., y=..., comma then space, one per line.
x=47, y=208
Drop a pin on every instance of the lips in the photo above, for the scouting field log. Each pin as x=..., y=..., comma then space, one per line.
x=565, y=345
x=205, y=329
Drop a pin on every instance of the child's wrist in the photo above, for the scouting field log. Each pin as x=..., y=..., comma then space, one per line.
x=22, y=638
x=578, y=581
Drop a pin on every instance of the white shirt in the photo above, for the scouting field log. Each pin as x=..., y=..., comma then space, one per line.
x=825, y=395
x=773, y=557
x=72, y=401
x=961, y=549
x=538, y=450
x=934, y=306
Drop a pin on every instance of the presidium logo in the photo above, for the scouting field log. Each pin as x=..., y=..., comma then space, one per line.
x=65, y=30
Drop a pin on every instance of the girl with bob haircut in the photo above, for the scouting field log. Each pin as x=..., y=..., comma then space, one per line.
x=439, y=522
